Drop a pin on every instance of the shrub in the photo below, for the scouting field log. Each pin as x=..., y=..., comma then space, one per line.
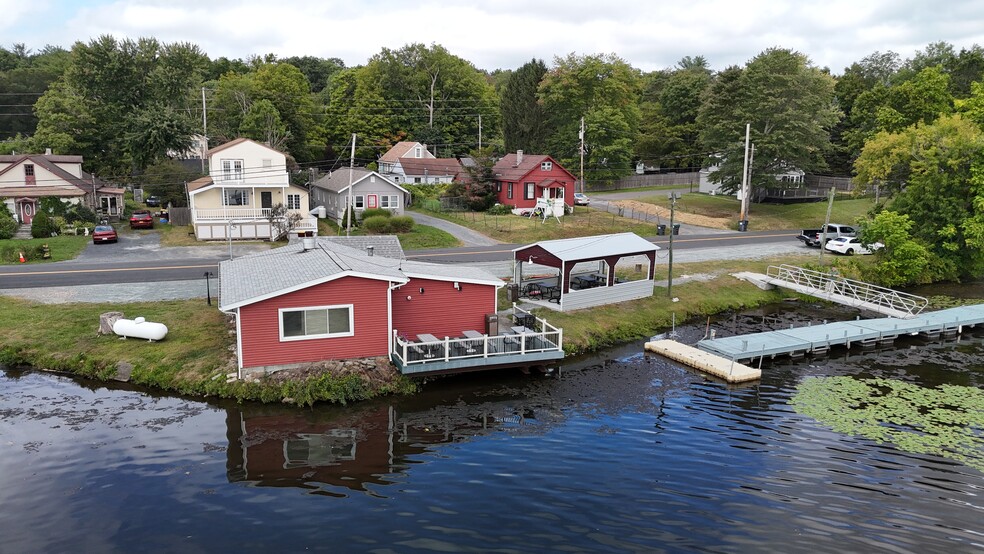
x=500, y=209
x=81, y=213
x=42, y=226
x=8, y=226
x=401, y=224
x=377, y=225
x=374, y=212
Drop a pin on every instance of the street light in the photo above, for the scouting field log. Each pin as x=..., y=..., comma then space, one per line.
x=669, y=280
x=230, y=225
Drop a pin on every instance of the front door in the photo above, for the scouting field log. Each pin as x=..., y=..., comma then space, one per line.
x=27, y=211
x=266, y=200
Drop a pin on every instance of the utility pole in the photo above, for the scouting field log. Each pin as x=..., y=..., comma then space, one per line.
x=204, y=130
x=350, y=209
x=581, y=136
x=826, y=221
x=479, y=131
x=669, y=279
x=744, y=181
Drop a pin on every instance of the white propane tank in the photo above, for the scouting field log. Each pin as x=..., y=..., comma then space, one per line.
x=140, y=328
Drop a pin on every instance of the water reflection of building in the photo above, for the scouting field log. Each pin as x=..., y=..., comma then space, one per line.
x=351, y=448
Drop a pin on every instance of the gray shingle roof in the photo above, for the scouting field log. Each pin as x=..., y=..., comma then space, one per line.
x=583, y=248
x=383, y=245
x=264, y=275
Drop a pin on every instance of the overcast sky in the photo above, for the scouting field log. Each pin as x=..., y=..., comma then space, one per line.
x=493, y=34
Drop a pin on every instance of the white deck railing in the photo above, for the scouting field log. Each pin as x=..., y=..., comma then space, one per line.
x=542, y=338
x=203, y=215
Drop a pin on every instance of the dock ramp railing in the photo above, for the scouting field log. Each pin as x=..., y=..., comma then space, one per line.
x=830, y=286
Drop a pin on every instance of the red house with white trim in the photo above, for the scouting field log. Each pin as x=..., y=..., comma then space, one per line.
x=522, y=179
x=336, y=298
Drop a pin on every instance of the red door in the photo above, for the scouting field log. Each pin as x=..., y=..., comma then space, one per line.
x=27, y=211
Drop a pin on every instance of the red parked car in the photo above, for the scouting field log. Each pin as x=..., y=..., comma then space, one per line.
x=104, y=233
x=141, y=219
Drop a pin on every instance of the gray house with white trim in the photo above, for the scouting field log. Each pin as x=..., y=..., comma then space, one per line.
x=368, y=190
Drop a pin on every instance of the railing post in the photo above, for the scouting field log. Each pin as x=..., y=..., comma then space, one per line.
x=447, y=349
x=485, y=347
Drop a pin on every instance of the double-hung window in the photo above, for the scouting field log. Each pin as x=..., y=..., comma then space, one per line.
x=293, y=201
x=317, y=322
x=389, y=201
x=509, y=190
x=360, y=202
x=530, y=191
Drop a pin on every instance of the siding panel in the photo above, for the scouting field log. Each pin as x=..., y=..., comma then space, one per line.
x=441, y=310
x=260, y=325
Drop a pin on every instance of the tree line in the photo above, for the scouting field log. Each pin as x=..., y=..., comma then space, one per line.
x=909, y=126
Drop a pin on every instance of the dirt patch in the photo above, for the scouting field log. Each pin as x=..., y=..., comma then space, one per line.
x=678, y=216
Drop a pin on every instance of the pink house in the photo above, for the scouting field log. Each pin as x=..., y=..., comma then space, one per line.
x=522, y=180
x=330, y=298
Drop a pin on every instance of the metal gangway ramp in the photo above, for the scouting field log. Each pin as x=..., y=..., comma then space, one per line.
x=848, y=292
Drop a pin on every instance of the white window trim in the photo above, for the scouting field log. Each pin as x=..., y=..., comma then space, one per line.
x=546, y=166
x=350, y=333
x=290, y=203
x=358, y=199
x=392, y=201
x=529, y=191
x=246, y=197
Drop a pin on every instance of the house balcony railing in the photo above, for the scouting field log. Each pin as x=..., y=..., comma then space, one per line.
x=244, y=215
x=224, y=214
x=523, y=339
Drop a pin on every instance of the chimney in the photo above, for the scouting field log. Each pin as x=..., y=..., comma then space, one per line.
x=47, y=151
x=519, y=157
x=307, y=243
x=369, y=250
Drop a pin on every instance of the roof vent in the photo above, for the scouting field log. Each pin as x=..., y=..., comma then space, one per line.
x=47, y=151
x=307, y=243
x=369, y=250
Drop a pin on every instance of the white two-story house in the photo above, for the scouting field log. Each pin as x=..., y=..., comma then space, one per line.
x=246, y=181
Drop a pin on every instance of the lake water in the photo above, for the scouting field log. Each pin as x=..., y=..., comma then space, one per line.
x=618, y=453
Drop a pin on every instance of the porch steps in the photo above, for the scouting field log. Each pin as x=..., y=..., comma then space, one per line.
x=23, y=232
x=706, y=362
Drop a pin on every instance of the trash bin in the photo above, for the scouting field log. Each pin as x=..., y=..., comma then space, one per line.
x=743, y=225
x=676, y=229
x=661, y=230
x=512, y=292
x=491, y=324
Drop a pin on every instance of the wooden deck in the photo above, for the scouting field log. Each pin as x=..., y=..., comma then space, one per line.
x=820, y=338
x=524, y=340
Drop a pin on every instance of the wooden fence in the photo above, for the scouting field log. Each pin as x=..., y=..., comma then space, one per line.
x=179, y=216
x=691, y=179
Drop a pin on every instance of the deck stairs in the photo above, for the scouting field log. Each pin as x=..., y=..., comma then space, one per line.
x=833, y=288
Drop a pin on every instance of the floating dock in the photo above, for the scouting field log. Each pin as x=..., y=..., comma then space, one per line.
x=820, y=338
x=706, y=362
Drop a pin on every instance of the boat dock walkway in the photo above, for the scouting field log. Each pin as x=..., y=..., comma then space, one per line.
x=820, y=338
x=706, y=362
x=833, y=288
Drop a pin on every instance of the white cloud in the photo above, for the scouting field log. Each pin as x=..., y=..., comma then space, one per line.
x=507, y=33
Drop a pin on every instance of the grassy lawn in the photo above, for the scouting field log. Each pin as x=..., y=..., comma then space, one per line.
x=177, y=235
x=421, y=237
x=522, y=230
x=65, y=247
x=768, y=217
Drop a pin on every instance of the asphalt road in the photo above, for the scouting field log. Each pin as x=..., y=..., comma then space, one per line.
x=142, y=263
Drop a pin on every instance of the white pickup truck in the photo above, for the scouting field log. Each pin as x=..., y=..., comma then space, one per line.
x=812, y=237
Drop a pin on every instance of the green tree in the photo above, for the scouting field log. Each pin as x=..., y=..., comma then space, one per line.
x=166, y=179
x=903, y=260
x=790, y=106
x=604, y=90
x=115, y=95
x=937, y=170
x=317, y=70
x=668, y=134
x=524, y=121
